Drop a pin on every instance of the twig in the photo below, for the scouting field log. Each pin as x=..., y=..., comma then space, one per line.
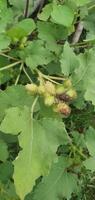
x=77, y=33
x=26, y=9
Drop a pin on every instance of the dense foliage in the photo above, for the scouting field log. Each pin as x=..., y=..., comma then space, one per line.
x=47, y=100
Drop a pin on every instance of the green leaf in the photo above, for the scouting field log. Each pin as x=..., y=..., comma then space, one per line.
x=90, y=140
x=46, y=12
x=21, y=29
x=83, y=77
x=21, y=5
x=63, y=15
x=90, y=164
x=89, y=25
x=6, y=16
x=6, y=171
x=38, y=140
x=69, y=61
x=4, y=42
x=3, y=151
x=82, y=2
x=51, y=33
x=36, y=54
x=4, y=75
x=14, y=96
x=7, y=191
x=57, y=184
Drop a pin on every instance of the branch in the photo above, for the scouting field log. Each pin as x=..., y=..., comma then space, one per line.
x=38, y=4
x=77, y=33
x=26, y=9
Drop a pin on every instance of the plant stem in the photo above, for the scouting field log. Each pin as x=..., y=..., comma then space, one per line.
x=91, y=7
x=17, y=79
x=81, y=154
x=7, y=56
x=78, y=32
x=27, y=75
x=10, y=66
x=46, y=77
x=26, y=9
x=33, y=106
x=6, y=50
x=82, y=43
x=57, y=78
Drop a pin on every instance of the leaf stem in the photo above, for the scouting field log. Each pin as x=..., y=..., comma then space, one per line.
x=27, y=75
x=10, y=66
x=81, y=154
x=83, y=43
x=46, y=77
x=57, y=78
x=17, y=79
x=7, y=56
x=33, y=106
x=91, y=7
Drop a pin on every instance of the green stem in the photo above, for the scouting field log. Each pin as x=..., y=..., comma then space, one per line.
x=10, y=66
x=27, y=75
x=33, y=106
x=7, y=56
x=84, y=44
x=46, y=77
x=6, y=50
x=57, y=78
x=18, y=77
x=91, y=7
x=81, y=154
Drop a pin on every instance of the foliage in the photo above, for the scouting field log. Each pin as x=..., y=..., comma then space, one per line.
x=47, y=100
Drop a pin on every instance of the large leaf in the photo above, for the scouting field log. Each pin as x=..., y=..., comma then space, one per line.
x=90, y=164
x=38, y=140
x=36, y=54
x=89, y=25
x=6, y=171
x=90, y=140
x=63, y=15
x=7, y=191
x=4, y=41
x=51, y=33
x=3, y=151
x=46, y=12
x=82, y=2
x=57, y=184
x=14, y=96
x=68, y=63
x=21, y=29
x=6, y=16
x=4, y=75
x=84, y=76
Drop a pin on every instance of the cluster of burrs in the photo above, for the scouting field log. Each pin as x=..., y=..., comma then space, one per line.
x=58, y=96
